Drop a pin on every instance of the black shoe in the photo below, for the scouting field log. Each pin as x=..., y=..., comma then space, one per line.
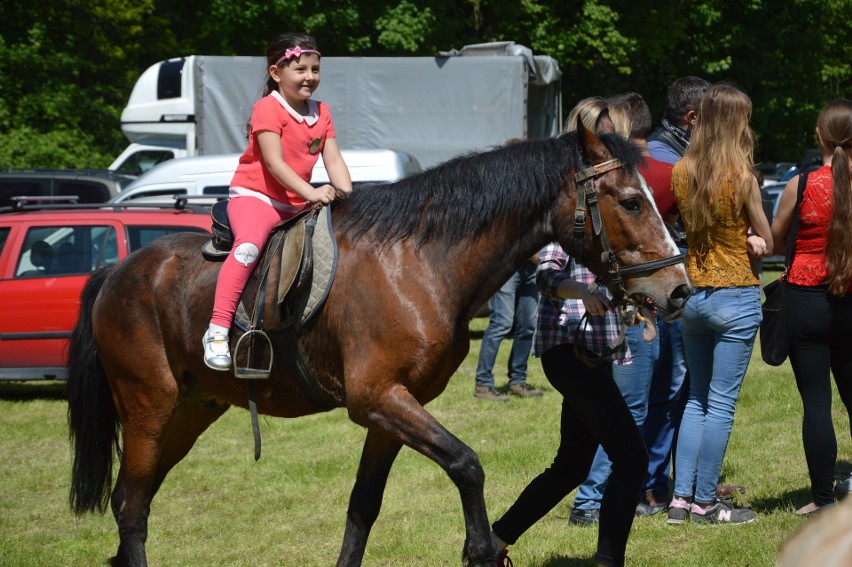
x=651, y=503
x=588, y=517
x=721, y=513
x=843, y=488
x=678, y=511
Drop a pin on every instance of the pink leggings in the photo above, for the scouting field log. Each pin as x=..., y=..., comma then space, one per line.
x=252, y=221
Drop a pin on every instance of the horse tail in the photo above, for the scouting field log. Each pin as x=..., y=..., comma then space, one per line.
x=92, y=417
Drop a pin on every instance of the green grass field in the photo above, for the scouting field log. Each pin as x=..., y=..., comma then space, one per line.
x=219, y=507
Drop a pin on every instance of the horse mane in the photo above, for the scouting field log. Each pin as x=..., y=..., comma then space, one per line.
x=462, y=197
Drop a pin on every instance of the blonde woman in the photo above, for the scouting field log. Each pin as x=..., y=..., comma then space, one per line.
x=719, y=200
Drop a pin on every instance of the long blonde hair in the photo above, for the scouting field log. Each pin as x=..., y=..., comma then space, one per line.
x=834, y=127
x=721, y=148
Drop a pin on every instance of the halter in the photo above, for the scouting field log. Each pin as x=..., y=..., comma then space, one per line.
x=587, y=199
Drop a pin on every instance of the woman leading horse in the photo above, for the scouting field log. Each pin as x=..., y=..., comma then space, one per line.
x=417, y=259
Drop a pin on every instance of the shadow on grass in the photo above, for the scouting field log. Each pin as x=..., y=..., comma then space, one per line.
x=794, y=498
x=568, y=562
x=802, y=496
x=32, y=390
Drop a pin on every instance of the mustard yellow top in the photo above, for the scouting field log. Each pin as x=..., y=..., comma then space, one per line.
x=717, y=256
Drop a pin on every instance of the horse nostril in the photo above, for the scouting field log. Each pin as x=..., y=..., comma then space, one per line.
x=682, y=291
x=677, y=300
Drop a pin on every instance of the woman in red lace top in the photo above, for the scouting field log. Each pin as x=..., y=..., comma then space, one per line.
x=820, y=293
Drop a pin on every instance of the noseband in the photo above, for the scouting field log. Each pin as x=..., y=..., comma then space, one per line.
x=587, y=200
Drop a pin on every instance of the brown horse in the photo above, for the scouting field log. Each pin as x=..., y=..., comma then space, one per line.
x=417, y=259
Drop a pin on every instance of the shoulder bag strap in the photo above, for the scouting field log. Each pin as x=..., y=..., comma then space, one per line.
x=794, y=227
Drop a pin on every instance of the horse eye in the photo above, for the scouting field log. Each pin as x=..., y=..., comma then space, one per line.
x=631, y=204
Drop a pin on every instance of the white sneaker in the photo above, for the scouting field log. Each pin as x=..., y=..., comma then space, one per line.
x=217, y=352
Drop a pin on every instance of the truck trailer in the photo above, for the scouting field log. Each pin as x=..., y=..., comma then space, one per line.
x=434, y=108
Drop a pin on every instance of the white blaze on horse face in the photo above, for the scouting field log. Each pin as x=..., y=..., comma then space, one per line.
x=246, y=253
x=649, y=194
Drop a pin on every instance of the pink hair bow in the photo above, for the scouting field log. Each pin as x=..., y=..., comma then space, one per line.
x=295, y=52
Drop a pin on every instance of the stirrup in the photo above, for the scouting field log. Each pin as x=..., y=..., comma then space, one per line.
x=247, y=350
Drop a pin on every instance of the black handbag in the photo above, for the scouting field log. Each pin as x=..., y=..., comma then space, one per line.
x=774, y=333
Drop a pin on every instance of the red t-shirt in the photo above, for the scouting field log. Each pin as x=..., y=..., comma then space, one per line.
x=658, y=175
x=299, y=136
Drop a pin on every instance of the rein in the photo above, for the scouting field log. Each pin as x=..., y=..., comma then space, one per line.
x=587, y=201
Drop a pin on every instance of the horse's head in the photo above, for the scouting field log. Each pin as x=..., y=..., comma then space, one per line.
x=617, y=231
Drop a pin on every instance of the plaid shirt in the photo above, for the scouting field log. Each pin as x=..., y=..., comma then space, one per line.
x=558, y=318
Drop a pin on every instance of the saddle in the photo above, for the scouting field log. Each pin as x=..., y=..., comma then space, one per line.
x=287, y=287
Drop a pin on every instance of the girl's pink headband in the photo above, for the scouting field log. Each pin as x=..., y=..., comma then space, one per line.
x=295, y=52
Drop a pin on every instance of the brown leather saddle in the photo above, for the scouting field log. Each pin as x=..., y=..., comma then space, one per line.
x=289, y=283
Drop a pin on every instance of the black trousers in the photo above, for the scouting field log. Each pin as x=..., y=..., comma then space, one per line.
x=820, y=328
x=593, y=413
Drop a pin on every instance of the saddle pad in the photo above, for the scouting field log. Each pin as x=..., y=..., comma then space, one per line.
x=325, y=265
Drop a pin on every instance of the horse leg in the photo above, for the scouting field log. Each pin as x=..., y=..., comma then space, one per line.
x=147, y=458
x=377, y=457
x=398, y=414
x=131, y=498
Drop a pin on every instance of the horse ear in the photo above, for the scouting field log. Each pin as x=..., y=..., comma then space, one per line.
x=604, y=124
x=593, y=150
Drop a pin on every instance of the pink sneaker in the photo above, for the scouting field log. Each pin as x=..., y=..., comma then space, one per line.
x=678, y=511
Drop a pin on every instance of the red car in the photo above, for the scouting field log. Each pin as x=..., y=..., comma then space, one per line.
x=47, y=254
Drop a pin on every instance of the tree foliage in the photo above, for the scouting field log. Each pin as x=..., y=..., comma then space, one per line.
x=67, y=66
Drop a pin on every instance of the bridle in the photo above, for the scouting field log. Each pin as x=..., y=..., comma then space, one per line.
x=587, y=201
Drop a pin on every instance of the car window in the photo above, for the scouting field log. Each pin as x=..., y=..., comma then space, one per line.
x=142, y=161
x=87, y=192
x=50, y=251
x=4, y=236
x=15, y=187
x=216, y=190
x=139, y=236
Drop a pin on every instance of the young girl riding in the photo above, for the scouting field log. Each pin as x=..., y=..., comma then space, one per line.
x=288, y=131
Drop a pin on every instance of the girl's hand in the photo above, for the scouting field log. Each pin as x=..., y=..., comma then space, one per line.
x=323, y=194
x=756, y=246
x=596, y=303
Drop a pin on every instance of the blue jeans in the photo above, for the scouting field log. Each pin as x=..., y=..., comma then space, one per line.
x=719, y=328
x=664, y=406
x=634, y=383
x=514, y=306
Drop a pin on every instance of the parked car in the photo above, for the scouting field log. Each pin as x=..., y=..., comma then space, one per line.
x=771, y=195
x=811, y=160
x=211, y=175
x=88, y=185
x=46, y=255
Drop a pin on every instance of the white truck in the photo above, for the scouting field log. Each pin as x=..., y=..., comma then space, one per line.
x=433, y=108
